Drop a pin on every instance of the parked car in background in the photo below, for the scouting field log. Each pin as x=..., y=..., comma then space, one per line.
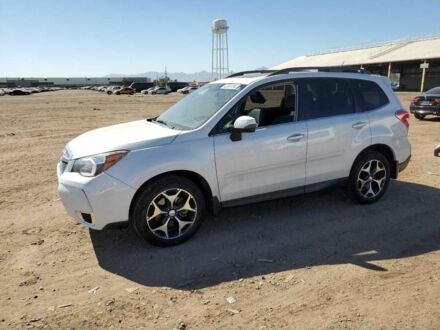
x=175, y=85
x=139, y=86
x=148, y=90
x=395, y=85
x=426, y=104
x=20, y=91
x=102, y=88
x=235, y=141
x=124, y=90
x=190, y=89
x=180, y=90
x=109, y=90
x=187, y=89
x=160, y=90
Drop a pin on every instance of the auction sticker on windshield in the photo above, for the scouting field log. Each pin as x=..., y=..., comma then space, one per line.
x=231, y=86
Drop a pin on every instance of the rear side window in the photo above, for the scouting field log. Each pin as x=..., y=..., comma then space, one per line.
x=369, y=95
x=325, y=97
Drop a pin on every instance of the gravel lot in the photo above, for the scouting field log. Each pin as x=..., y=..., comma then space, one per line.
x=314, y=261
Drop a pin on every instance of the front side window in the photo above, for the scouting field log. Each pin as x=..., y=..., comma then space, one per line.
x=325, y=97
x=369, y=95
x=269, y=105
x=196, y=108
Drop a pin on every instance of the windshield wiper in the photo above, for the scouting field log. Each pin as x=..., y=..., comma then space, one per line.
x=160, y=121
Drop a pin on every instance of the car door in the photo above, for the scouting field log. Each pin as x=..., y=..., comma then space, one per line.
x=336, y=131
x=270, y=159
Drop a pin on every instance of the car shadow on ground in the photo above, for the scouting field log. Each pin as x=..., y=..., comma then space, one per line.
x=315, y=229
x=436, y=119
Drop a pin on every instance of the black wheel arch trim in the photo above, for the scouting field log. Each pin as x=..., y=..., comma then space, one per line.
x=385, y=150
x=212, y=202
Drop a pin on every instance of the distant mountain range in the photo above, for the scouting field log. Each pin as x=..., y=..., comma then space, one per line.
x=179, y=76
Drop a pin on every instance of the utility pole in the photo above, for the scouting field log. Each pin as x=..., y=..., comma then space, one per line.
x=423, y=66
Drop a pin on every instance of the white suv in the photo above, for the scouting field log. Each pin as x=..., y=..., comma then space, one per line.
x=250, y=137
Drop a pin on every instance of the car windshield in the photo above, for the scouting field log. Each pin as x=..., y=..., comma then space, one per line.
x=196, y=108
x=433, y=91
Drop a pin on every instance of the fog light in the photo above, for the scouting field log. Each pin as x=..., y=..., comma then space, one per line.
x=87, y=217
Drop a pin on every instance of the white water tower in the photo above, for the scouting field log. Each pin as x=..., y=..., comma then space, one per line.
x=220, y=57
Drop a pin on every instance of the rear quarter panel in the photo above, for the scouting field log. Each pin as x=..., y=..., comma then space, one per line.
x=387, y=129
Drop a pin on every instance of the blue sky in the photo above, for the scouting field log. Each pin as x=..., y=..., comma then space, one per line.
x=94, y=38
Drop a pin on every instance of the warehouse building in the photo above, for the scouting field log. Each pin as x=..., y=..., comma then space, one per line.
x=412, y=64
x=70, y=82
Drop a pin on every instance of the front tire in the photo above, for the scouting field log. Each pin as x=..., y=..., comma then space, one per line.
x=369, y=177
x=168, y=211
x=419, y=116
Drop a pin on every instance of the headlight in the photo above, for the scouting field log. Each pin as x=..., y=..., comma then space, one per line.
x=96, y=164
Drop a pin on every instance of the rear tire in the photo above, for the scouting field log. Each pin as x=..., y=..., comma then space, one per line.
x=168, y=211
x=369, y=177
x=419, y=116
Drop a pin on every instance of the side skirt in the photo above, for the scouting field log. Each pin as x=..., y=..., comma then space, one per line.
x=283, y=193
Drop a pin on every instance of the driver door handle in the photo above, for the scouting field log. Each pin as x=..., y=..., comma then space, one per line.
x=295, y=137
x=359, y=124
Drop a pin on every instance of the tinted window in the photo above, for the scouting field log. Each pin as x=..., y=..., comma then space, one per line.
x=269, y=105
x=369, y=95
x=324, y=97
x=273, y=104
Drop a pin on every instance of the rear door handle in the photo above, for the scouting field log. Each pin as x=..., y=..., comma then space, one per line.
x=295, y=137
x=359, y=124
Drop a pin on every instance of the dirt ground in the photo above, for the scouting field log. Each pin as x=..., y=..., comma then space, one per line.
x=314, y=261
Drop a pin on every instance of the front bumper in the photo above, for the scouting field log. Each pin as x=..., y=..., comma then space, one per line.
x=425, y=110
x=402, y=166
x=96, y=202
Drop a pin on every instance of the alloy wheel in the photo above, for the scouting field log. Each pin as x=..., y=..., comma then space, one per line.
x=171, y=213
x=371, y=179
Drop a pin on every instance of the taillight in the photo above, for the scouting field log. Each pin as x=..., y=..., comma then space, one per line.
x=403, y=116
x=437, y=100
x=414, y=101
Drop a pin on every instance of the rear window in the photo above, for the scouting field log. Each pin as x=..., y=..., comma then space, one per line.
x=325, y=97
x=369, y=95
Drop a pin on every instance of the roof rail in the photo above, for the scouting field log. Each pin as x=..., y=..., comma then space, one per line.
x=242, y=73
x=320, y=69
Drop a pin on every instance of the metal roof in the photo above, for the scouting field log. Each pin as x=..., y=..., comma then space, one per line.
x=397, y=51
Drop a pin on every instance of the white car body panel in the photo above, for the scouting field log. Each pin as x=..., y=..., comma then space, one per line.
x=194, y=155
x=128, y=136
x=262, y=162
x=107, y=199
x=333, y=144
x=242, y=171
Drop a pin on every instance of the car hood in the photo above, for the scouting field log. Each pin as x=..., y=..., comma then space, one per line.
x=128, y=136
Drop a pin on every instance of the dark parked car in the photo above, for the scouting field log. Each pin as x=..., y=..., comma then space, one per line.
x=175, y=85
x=20, y=91
x=139, y=86
x=426, y=104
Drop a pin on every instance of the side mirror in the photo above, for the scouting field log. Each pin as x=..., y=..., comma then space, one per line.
x=243, y=124
x=437, y=151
